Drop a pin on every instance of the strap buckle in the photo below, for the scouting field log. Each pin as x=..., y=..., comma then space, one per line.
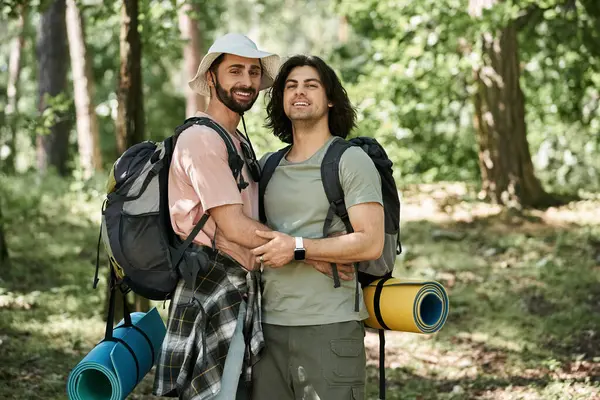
x=340, y=208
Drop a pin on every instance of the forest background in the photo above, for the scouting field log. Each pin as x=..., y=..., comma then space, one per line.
x=489, y=110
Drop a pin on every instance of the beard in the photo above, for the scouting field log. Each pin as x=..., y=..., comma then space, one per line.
x=303, y=116
x=235, y=106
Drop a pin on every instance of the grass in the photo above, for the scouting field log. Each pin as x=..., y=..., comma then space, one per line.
x=524, y=288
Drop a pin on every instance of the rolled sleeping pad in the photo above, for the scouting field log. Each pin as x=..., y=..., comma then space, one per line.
x=112, y=369
x=405, y=305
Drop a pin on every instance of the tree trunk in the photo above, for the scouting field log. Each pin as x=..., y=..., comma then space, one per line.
x=90, y=158
x=4, y=259
x=504, y=159
x=343, y=29
x=53, y=53
x=12, y=90
x=130, y=110
x=188, y=25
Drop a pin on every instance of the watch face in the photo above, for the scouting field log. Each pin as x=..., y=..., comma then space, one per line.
x=299, y=254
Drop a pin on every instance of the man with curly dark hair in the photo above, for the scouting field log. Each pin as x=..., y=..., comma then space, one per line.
x=314, y=335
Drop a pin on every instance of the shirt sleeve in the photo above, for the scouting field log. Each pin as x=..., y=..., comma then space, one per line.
x=359, y=178
x=203, y=156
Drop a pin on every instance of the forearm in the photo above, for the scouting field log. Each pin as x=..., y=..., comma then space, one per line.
x=237, y=227
x=244, y=233
x=349, y=248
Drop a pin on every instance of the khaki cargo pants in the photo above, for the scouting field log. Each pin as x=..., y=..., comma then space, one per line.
x=317, y=362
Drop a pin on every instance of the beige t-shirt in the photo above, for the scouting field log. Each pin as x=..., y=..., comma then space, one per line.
x=296, y=204
x=200, y=179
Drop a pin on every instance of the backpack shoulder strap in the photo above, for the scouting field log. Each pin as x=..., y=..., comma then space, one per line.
x=236, y=163
x=330, y=176
x=266, y=174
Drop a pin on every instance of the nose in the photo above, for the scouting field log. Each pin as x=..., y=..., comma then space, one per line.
x=300, y=90
x=246, y=79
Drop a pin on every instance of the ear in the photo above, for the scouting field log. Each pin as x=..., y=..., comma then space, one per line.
x=210, y=79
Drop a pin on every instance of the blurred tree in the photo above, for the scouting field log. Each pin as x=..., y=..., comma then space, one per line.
x=12, y=90
x=53, y=141
x=403, y=70
x=130, y=109
x=90, y=157
x=4, y=259
x=193, y=51
x=591, y=35
x=409, y=67
x=505, y=164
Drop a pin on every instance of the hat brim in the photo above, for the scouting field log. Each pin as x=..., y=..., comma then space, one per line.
x=269, y=61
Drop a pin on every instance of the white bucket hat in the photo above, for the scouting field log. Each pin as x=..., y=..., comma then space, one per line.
x=240, y=45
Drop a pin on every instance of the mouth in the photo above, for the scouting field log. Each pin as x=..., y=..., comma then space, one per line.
x=300, y=104
x=243, y=95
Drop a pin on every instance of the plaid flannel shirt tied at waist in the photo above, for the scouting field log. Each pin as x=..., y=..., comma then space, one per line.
x=201, y=324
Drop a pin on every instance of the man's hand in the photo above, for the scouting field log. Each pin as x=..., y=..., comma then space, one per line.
x=345, y=271
x=278, y=252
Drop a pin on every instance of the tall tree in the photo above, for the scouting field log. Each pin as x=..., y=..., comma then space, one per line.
x=130, y=109
x=53, y=53
x=90, y=157
x=507, y=172
x=12, y=89
x=4, y=259
x=190, y=33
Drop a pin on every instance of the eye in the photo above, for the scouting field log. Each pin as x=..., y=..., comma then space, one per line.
x=291, y=86
x=234, y=71
x=313, y=86
x=254, y=73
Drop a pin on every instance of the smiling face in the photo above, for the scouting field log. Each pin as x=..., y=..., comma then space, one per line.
x=304, y=97
x=237, y=82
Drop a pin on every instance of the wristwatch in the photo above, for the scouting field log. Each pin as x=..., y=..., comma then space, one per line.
x=299, y=251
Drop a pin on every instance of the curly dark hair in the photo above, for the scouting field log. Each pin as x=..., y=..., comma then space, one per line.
x=342, y=116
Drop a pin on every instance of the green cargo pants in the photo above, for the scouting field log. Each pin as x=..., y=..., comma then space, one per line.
x=317, y=362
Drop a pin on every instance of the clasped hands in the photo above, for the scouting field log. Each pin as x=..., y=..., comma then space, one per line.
x=279, y=251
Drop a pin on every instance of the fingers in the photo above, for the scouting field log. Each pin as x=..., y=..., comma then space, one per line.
x=346, y=277
x=346, y=274
x=274, y=262
x=343, y=276
x=265, y=234
x=260, y=250
x=346, y=268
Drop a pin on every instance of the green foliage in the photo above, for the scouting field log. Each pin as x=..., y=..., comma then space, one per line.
x=411, y=85
x=560, y=80
x=409, y=66
x=57, y=108
x=523, y=296
x=523, y=291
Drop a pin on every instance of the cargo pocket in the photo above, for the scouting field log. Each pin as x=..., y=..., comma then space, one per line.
x=346, y=364
x=358, y=393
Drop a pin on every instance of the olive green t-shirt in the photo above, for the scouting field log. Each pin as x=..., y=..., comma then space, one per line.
x=296, y=204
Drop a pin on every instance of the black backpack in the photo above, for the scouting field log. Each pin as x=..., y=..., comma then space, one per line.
x=144, y=252
x=368, y=271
